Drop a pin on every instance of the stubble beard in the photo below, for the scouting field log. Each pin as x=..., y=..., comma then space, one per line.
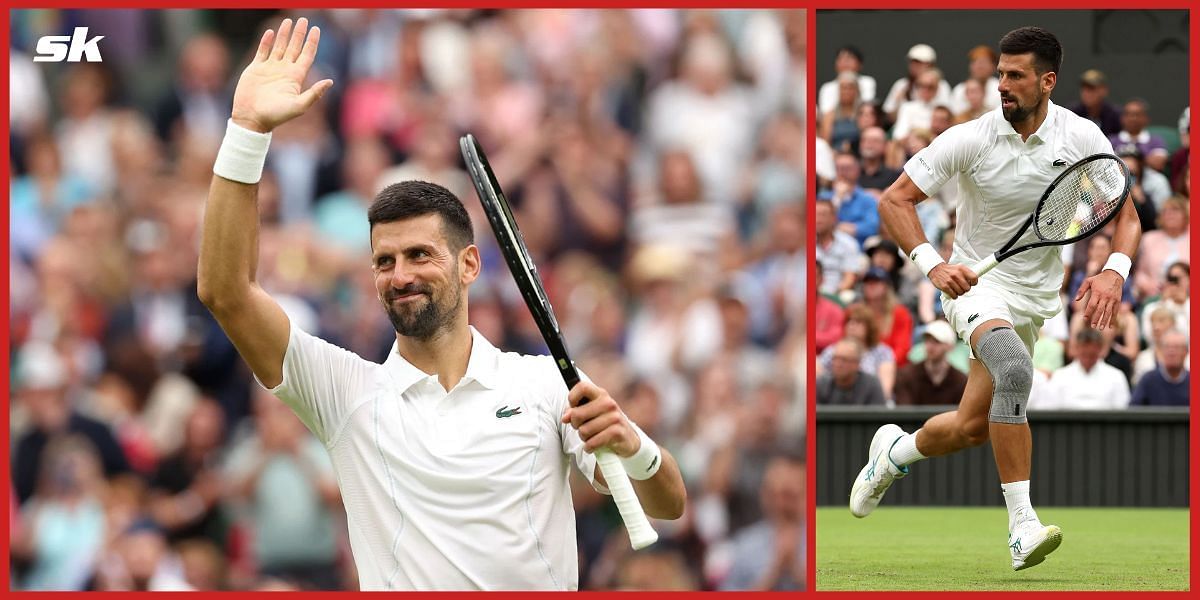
x=1019, y=113
x=424, y=322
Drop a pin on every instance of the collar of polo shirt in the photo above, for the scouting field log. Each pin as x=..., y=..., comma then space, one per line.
x=1042, y=132
x=481, y=366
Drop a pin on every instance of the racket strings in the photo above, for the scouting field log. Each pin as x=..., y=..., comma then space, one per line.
x=1082, y=201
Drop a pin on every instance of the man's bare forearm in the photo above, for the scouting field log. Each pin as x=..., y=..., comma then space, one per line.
x=664, y=495
x=228, y=244
x=898, y=214
x=1128, y=234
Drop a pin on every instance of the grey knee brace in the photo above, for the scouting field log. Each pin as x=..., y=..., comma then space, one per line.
x=1008, y=360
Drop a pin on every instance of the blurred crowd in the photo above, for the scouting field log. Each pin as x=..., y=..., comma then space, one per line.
x=881, y=335
x=655, y=159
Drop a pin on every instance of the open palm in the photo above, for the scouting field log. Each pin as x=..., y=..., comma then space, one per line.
x=270, y=91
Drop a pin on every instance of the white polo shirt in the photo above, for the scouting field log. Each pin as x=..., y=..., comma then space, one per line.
x=1102, y=388
x=1001, y=178
x=459, y=490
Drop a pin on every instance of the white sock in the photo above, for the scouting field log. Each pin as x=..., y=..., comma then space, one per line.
x=1016, y=496
x=904, y=452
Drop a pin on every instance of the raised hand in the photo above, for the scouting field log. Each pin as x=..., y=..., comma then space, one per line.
x=270, y=91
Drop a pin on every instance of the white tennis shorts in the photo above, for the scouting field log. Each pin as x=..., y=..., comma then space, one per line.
x=989, y=300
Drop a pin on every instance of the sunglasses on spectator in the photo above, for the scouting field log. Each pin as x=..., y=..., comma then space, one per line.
x=1173, y=279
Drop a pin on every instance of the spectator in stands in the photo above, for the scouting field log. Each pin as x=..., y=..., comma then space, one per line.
x=1147, y=211
x=1135, y=118
x=1162, y=320
x=1168, y=384
x=870, y=114
x=142, y=563
x=858, y=212
x=41, y=200
x=1120, y=342
x=839, y=126
x=876, y=176
x=84, y=132
x=341, y=217
x=973, y=96
x=933, y=380
x=42, y=377
x=885, y=254
x=198, y=103
x=780, y=275
x=1087, y=382
x=62, y=525
x=876, y=358
x=845, y=383
x=921, y=58
x=829, y=316
x=917, y=112
x=779, y=177
x=769, y=554
x=1164, y=246
x=849, y=59
x=186, y=489
x=981, y=68
x=1176, y=292
x=838, y=252
x=1156, y=186
x=680, y=214
x=284, y=477
x=892, y=318
x=706, y=111
x=941, y=120
x=1094, y=105
x=1179, y=160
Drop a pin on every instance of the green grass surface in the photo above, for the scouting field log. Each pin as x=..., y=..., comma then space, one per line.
x=935, y=548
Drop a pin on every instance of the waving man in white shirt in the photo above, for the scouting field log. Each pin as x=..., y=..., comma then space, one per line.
x=452, y=457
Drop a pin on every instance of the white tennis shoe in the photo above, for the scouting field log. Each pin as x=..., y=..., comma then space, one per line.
x=878, y=474
x=1030, y=542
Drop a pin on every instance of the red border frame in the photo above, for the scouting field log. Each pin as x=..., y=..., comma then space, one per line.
x=812, y=7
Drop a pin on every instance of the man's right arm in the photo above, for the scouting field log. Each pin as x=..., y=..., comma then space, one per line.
x=898, y=211
x=269, y=93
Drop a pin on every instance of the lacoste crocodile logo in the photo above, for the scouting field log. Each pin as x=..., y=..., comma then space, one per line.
x=504, y=411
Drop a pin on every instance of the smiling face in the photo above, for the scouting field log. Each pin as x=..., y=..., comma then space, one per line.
x=419, y=276
x=1022, y=89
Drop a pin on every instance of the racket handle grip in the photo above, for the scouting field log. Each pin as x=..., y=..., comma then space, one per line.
x=985, y=265
x=641, y=534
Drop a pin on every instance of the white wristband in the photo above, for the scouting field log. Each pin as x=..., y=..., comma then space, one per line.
x=926, y=257
x=242, y=155
x=646, y=461
x=1120, y=263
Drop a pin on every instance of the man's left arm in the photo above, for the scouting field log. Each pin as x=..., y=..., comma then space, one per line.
x=653, y=471
x=1101, y=293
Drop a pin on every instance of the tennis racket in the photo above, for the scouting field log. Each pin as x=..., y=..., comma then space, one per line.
x=512, y=246
x=1078, y=203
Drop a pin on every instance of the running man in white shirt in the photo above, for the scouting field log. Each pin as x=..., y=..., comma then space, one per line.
x=1003, y=161
x=452, y=457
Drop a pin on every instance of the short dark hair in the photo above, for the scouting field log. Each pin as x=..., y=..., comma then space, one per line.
x=409, y=199
x=852, y=51
x=1047, y=52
